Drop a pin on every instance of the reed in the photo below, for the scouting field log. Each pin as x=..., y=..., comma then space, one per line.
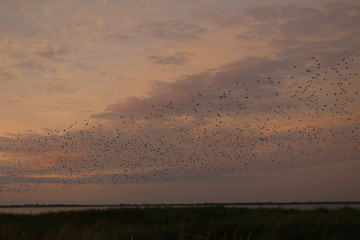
x=185, y=223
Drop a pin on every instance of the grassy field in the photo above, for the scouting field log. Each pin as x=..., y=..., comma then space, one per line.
x=184, y=223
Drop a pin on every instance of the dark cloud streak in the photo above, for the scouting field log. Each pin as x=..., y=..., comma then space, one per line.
x=178, y=58
x=170, y=30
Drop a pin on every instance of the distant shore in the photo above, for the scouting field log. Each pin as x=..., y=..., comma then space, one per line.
x=182, y=204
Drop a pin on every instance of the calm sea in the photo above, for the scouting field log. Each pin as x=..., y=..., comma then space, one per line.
x=37, y=210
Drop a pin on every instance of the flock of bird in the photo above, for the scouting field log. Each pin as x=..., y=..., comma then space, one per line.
x=307, y=115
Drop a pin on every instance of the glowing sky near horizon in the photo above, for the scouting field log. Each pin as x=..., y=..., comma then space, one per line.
x=179, y=101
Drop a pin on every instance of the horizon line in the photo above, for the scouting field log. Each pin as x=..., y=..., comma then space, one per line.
x=181, y=204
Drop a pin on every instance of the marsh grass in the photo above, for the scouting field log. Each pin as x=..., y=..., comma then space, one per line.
x=185, y=223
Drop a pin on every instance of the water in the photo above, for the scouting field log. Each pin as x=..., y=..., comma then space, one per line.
x=301, y=206
x=38, y=210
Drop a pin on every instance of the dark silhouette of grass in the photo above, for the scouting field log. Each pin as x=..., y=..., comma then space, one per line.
x=184, y=223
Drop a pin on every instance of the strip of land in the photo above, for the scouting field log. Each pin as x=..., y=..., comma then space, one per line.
x=185, y=204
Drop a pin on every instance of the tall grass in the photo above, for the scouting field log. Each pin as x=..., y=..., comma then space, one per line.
x=195, y=223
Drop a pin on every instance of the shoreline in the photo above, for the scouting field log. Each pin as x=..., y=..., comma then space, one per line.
x=236, y=204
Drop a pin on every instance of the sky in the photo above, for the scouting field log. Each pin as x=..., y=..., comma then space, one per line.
x=163, y=101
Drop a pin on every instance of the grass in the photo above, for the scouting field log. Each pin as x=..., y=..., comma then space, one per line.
x=185, y=223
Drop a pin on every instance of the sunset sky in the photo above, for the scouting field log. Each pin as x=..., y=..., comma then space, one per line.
x=164, y=101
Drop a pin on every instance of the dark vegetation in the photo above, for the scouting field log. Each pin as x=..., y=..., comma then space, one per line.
x=184, y=223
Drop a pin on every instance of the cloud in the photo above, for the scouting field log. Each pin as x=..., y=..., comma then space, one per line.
x=276, y=12
x=324, y=23
x=301, y=30
x=54, y=85
x=178, y=58
x=121, y=38
x=292, y=29
x=8, y=100
x=224, y=17
x=254, y=84
x=30, y=65
x=5, y=76
x=53, y=53
x=170, y=30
